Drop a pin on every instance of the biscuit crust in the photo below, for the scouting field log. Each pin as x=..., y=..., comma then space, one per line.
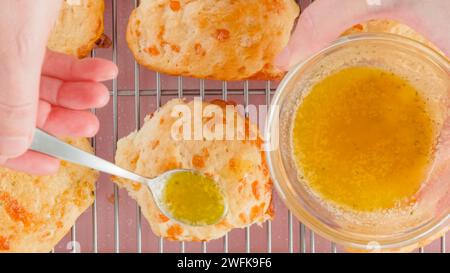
x=222, y=40
x=79, y=26
x=37, y=211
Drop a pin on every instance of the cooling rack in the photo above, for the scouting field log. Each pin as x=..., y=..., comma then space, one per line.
x=114, y=223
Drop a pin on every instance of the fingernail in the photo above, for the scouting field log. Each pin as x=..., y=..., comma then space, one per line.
x=94, y=69
x=282, y=60
x=13, y=146
x=109, y=75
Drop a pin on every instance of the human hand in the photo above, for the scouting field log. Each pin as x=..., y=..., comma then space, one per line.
x=324, y=20
x=68, y=87
x=39, y=88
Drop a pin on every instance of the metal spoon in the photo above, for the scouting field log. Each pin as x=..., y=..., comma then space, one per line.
x=50, y=145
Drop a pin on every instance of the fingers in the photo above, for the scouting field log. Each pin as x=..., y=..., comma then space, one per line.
x=64, y=122
x=315, y=30
x=73, y=95
x=68, y=68
x=57, y=121
x=33, y=163
x=19, y=100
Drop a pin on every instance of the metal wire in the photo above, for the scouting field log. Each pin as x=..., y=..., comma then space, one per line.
x=115, y=129
x=225, y=98
x=158, y=105
x=269, y=223
x=333, y=248
x=443, y=244
x=312, y=241
x=190, y=92
x=302, y=238
x=180, y=87
x=94, y=205
x=202, y=96
x=291, y=233
x=246, y=102
x=73, y=235
x=246, y=94
x=180, y=95
x=161, y=245
x=137, y=115
x=202, y=89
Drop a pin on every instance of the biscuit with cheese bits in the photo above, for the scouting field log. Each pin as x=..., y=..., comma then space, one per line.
x=79, y=27
x=222, y=40
x=37, y=211
x=238, y=166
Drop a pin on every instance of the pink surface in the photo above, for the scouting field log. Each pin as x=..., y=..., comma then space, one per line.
x=280, y=236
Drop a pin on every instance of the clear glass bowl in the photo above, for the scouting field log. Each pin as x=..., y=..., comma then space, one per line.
x=429, y=72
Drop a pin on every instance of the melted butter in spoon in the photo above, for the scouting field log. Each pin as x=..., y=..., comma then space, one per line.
x=193, y=199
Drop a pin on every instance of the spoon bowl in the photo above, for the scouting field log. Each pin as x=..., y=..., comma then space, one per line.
x=161, y=184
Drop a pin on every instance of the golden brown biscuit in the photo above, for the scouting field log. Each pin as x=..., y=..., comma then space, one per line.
x=222, y=40
x=37, y=211
x=393, y=27
x=238, y=166
x=79, y=26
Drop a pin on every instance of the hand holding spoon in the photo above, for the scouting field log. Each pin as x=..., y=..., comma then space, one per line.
x=183, y=195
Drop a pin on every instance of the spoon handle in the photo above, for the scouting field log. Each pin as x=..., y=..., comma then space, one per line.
x=50, y=145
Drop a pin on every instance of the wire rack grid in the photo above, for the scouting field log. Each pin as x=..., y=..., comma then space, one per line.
x=115, y=223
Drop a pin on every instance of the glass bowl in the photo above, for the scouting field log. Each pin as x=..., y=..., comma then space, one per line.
x=425, y=69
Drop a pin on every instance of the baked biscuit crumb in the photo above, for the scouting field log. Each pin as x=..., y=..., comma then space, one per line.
x=235, y=39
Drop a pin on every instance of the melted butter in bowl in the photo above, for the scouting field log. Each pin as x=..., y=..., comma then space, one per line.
x=363, y=139
x=361, y=143
x=193, y=199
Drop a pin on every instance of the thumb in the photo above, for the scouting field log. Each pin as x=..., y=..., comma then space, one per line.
x=25, y=28
x=18, y=107
x=324, y=20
